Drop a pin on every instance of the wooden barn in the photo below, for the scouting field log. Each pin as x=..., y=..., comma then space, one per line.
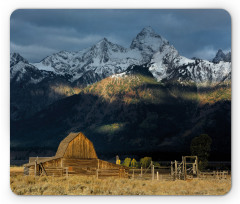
x=75, y=155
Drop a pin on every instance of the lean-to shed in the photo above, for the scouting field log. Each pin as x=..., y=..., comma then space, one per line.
x=75, y=155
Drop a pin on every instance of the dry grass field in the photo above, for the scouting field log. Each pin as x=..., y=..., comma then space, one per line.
x=83, y=185
x=16, y=170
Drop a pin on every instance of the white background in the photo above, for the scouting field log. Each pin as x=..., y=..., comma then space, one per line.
x=8, y=6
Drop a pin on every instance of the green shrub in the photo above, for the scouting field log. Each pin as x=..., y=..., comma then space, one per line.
x=145, y=162
x=127, y=162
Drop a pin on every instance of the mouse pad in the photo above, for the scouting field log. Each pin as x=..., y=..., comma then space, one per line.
x=120, y=102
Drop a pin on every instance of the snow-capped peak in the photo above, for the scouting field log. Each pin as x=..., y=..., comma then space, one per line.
x=104, y=46
x=168, y=64
x=15, y=58
x=104, y=40
x=19, y=67
x=148, y=38
x=148, y=42
x=105, y=58
x=147, y=29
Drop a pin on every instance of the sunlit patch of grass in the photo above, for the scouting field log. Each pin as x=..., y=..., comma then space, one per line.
x=191, y=96
x=65, y=90
x=130, y=89
x=134, y=89
x=16, y=170
x=110, y=128
x=148, y=80
x=216, y=94
x=90, y=185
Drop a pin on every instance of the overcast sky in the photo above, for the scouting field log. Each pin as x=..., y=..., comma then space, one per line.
x=36, y=34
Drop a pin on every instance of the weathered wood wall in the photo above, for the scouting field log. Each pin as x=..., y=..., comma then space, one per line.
x=77, y=146
x=32, y=159
x=83, y=163
x=52, y=167
x=63, y=166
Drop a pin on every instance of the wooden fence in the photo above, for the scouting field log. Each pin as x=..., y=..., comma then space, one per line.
x=116, y=173
x=215, y=175
x=165, y=174
x=150, y=173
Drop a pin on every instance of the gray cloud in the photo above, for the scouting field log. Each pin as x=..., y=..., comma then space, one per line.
x=38, y=33
x=32, y=52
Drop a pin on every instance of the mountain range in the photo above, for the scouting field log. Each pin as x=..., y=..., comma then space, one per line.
x=143, y=97
x=106, y=58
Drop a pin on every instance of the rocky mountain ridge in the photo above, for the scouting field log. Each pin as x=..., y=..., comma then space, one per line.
x=32, y=89
x=221, y=56
x=35, y=86
x=106, y=58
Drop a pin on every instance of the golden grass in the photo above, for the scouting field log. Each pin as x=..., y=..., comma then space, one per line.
x=130, y=89
x=215, y=95
x=16, y=170
x=86, y=185
x=65, y=90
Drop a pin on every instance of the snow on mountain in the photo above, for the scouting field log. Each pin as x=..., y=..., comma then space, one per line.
x=202, y=72
x=148, y=42
x=220, y=56
x=19, y=66
x=33, y=89
x=22, y=71
x=163, y=61
x=169, y=65
x=106, y=58
x=15, y=58
x=58, y=63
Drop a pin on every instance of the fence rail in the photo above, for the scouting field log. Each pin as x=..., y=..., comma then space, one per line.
x=164, y=173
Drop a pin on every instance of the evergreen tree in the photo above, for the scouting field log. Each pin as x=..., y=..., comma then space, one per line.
x=201, y=147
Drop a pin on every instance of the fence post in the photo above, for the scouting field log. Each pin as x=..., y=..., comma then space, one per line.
x=35, y=168
x=141, y=171
x=157, y=175
x=152, y=172
x=151, y=165
x=133, y=174
x=185, y=168
x=175, y=169
x=197, y=166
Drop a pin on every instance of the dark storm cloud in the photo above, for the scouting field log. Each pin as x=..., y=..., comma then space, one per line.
x=38, y=33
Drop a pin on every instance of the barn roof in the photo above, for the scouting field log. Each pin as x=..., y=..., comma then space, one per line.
x=41, y=161
x=64, y=143
x=61, y=148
